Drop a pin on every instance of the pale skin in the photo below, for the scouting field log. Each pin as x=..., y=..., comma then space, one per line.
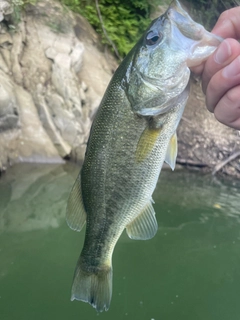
x=221, y=72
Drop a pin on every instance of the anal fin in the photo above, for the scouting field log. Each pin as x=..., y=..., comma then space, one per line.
x=144, y=226
x=76, y=214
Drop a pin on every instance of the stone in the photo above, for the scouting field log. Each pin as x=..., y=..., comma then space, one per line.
x=50, y=86
x=6, y=8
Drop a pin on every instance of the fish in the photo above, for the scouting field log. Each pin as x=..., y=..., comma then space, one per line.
x=133, y=133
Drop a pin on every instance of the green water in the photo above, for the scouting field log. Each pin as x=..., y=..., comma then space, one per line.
x=189, y=271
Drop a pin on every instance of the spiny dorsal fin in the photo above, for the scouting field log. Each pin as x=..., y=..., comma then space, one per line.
x=144, y=226
x=76, y=214
x=171, y=154
x=146, y=143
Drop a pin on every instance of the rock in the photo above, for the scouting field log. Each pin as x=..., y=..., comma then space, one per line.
x=9, y=113
x=6, y=8
x=22, y=137
x=34, y=145
x=202, y=140
x=52, y=79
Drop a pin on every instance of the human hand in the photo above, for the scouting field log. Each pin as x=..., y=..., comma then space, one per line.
x=221, y=72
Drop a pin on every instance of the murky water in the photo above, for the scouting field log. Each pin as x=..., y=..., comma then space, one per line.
x=189, y=271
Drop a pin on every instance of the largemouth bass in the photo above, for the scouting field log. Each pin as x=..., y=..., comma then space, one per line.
x=133, y=133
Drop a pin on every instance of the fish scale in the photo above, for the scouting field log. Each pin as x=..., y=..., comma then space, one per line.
x=133, y=133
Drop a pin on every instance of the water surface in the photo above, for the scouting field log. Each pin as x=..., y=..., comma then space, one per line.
x=189, y=270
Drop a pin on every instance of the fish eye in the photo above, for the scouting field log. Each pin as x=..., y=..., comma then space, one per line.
x=152, y=38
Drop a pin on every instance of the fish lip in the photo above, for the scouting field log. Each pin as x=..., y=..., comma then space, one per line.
x=180, y=19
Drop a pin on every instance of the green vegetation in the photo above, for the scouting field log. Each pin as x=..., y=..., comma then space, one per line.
x=121, y=22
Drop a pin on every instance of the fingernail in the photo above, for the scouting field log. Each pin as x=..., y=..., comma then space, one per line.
x=232, y=69
x=223, y=52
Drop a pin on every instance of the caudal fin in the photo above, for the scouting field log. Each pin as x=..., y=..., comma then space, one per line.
x=94, y=288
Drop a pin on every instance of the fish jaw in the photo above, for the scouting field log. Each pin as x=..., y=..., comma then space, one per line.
x=199, y=43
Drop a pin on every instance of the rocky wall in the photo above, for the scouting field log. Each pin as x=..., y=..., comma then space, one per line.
x=53, y=73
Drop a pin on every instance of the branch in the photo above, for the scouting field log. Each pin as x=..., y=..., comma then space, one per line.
x=220, y=165
x=191, y=163
x=105, y=31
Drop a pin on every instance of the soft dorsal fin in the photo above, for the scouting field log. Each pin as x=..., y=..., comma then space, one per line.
x=76, y=214
x=144, y=226
x=146, y=143
x=171, y=154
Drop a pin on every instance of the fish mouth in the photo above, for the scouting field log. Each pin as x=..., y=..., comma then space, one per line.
x=194, y=34
x=188, y=27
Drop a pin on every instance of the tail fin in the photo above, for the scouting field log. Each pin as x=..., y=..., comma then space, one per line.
x=94, y=288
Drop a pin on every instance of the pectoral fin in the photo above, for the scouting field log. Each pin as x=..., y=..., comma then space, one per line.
x=76, y=214
x=171, y=154
x=144, y=226
x=146, y=143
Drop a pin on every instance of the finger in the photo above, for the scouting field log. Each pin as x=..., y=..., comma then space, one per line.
x=227, y=51
x=228, y=24
x=227, y=110
x=221, y=82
